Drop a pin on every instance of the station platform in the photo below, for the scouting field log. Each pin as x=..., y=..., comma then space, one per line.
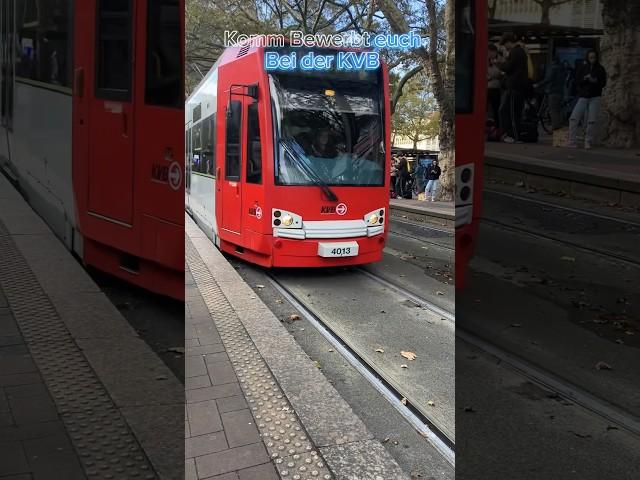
x=436, y=213
x=599, y=174
x=81, y=394
x=257, y=405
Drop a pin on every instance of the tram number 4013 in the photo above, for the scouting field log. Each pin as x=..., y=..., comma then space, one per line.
x=344, y=249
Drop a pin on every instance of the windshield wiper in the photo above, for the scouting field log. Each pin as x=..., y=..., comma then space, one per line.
x=295, y=151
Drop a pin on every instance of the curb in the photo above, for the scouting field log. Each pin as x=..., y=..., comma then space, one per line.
x=578, y=181
x=341, y=437
x=422, y=214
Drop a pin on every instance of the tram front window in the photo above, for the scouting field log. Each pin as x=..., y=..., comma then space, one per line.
x=330, y=132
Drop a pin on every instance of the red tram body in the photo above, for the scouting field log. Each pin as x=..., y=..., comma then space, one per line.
x=471, y=75
x=258, y=183
x=93, y=102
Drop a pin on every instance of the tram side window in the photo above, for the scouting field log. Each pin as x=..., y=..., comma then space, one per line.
x=197, y=147
x=232, y=160
x=43, y=44
x=163, y=77
x=211, y=144
x=254, y=153
x=208, y=153
x=113, y=58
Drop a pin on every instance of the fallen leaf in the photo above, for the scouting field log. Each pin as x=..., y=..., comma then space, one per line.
x=176, y=349
x=431, y=403
x=603, y=366
x=278, y=301
x=403, y=366
x=385, y=440
x=469, y=409
x=408, y=355
x=259, y=286
x=379, y=350
x=516, y=325
x=439, y=293
x=331, y=350
x=294, y=317
x=317, y=363
x=161, y=377
x=568, y=259
x=403, y=401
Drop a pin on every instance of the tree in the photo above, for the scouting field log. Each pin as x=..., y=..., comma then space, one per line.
x=416, y=116
x=438, y=60
x=619, y=52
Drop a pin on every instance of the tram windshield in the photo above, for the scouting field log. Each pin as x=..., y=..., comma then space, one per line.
x=330, y=131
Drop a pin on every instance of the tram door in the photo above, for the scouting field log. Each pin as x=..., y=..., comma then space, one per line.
x=231, y=181
x=110, y=111
x=7, y=56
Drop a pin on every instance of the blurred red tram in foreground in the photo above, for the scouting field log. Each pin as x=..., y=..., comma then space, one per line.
x=93, y=138
x=289, y=168
x=471, y=81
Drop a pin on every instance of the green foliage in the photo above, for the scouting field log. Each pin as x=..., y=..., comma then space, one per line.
x=416, y=116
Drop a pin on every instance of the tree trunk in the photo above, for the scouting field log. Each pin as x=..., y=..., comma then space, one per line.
x=441, y=79
x=546, y=8
x=621, y=97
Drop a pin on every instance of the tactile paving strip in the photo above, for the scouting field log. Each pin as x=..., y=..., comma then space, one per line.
x=105, y=445
x=287, y=442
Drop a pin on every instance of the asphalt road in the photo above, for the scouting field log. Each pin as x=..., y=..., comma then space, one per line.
x=379, y=323
x=558, y=288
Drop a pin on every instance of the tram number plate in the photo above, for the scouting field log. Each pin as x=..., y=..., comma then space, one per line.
x=338, y=249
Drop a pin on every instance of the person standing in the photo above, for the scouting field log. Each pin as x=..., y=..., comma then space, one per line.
x=394, y=174
x=553, y=84
x=402, y=174
x=516, y=78
x=432, y=177
x=493, y=85
x=591, y=79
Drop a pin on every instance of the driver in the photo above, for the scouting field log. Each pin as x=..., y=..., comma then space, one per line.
x=323, y=146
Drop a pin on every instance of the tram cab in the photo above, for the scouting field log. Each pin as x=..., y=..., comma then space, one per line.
x=289, y=168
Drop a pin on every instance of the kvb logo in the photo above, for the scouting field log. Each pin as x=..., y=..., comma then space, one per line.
x=340, y=209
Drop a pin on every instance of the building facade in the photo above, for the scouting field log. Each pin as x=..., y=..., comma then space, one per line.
x=574, y=13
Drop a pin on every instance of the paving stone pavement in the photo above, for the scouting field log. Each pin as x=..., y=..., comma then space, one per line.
x=33, y=438
x=81, y=394
x=222, y=441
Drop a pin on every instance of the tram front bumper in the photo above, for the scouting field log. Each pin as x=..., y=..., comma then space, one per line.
x=309, y=253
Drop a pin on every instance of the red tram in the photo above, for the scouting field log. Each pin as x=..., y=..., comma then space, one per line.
x=471, y=74
x=289, y=168
x=94, y=138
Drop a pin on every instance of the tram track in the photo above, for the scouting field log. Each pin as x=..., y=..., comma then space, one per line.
x=422, y=239
x=577, y=245
x=382, y=383
x=556, y=384
x=559, y=386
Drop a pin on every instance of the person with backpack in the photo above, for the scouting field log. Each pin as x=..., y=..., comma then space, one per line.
x=591, y=80
x=516, y=80
x=432, y=178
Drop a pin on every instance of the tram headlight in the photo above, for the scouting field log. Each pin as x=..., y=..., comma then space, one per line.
x=287, y=220
x=464, y=184
x=282, y=219
x=375, y=222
